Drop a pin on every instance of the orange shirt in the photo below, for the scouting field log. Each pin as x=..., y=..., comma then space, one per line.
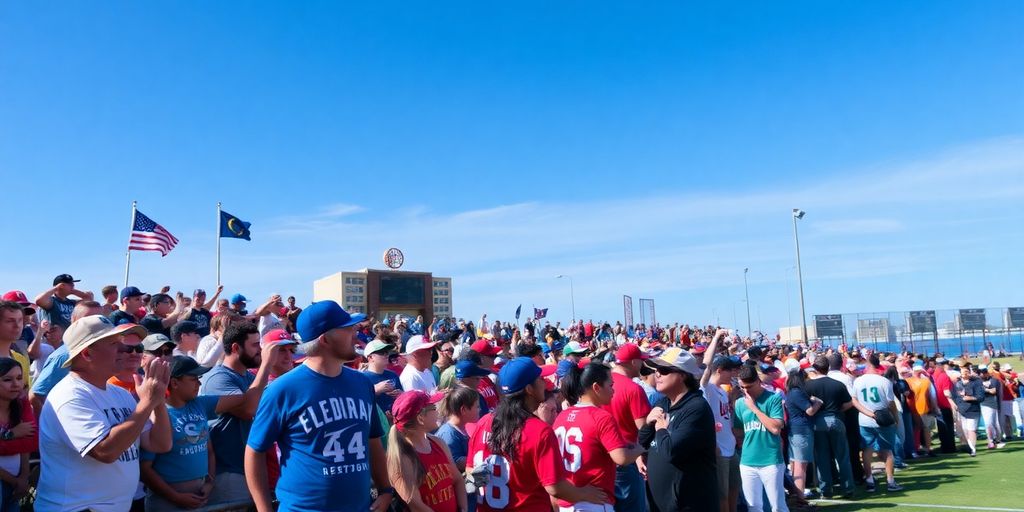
x=127, y=386
x=920, y=387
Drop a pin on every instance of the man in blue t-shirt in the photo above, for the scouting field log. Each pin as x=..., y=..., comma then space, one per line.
x=55, y=303
x=323, y=418
x=386, y=384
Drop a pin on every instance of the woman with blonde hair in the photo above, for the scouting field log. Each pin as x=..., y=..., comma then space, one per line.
x=420, y=466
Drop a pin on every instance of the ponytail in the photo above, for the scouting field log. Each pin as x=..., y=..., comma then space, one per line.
x=404, y=466
x=576, y=383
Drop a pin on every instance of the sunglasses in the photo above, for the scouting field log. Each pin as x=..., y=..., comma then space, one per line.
x=665, y=371
x=160, y=352
x=128, y=349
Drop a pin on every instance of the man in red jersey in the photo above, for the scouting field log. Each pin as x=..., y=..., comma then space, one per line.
x=519, y=451
x=629, y=407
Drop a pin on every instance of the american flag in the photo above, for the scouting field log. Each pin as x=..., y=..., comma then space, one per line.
x=150, y=236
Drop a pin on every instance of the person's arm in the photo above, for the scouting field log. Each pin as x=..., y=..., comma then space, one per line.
x=35, y=349
x=860, y=407
x=180, y=312
x=158, y=439
x=244, y=406
x=154, y=481
x=257, y=480
x=379, y=472
x=774, y=425
x=123, y=436
x=45, y=299
x=627, y=454
x=264, y=308
x=209, y=304
x=410, y=494
x=709, y=356
x=564, y=490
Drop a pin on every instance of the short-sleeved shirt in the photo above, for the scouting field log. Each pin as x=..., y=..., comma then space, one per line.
x=53, y=372
x=990, y=400
x=760, y=446
x=972, y=388
x=59, y=312
x=384, y=401
x=797, y=403
x=875, y=393
x=586, y=436
x=942, y=384
x=121, y=317
x=75, y=418
x=227, y=431
x=202, y=319
x=322, y=426
x=718, y=399
x=188, y=458
x=155, y=325
x=518, y=484
x=629, y=402
x=414, y=379
x=457, y=441
x=832, y=393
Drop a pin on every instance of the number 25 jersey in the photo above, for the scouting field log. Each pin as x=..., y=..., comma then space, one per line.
x=517, y=484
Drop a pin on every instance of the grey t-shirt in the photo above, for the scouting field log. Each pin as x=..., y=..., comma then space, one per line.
x=60, y=312
x=228, y=433
x=991, y=400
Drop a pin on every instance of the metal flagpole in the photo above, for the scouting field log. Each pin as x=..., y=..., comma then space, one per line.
x=218, y=243
x=128, y=251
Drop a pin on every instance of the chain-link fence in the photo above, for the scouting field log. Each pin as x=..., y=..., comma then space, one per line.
x=950, y=331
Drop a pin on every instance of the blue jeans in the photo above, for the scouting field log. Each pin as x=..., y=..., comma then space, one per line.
x=909, y=443
x=831, y=448
x=7, y=504
x=630, y=493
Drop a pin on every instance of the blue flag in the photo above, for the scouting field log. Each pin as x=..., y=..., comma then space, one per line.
x=233, y=227
x=519, y=310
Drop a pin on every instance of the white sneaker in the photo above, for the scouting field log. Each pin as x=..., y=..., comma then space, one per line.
x=1000, y=445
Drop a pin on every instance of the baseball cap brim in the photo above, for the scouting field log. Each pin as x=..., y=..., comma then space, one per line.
x=195, y=372
x=78, y=350
x=135, y=329
x=658, y=363
x=355, y=319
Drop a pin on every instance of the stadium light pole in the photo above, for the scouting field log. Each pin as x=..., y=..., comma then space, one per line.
x=797, y=215
x=572, y=296
x=746, y=293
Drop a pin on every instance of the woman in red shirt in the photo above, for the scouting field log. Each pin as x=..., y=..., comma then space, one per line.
x=420, y=466
x=18, y=435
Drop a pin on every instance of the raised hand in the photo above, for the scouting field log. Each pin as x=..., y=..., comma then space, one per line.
x=154, y=385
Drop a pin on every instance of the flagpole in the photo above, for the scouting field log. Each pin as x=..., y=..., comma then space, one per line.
x=128, y=251
x=218, y=243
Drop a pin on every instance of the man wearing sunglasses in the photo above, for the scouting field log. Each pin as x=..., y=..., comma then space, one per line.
x=129, y=358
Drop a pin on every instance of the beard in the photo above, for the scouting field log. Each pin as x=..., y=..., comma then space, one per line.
x=249, y=361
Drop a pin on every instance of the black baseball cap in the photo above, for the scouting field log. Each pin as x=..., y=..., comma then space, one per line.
x=64, y=278
x=184, y=365
x=724, y=362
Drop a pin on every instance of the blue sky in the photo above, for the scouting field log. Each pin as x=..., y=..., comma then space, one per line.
x=653, y=149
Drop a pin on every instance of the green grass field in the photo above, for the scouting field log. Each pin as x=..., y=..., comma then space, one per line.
x=988, y=482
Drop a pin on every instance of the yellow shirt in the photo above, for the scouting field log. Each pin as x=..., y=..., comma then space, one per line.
x=23, y=361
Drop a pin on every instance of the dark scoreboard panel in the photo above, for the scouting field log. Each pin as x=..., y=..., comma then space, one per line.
x=1015, y=318
x=922, y=322
x=972, y=319
x=401, y=289
x=828, y=326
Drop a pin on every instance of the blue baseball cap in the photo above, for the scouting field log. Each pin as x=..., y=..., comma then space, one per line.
x=324, y=316
x=130, y=291
x=238, y=297
x=563, y=367
x=544, y=347
x=465, y=369
x=517, y=374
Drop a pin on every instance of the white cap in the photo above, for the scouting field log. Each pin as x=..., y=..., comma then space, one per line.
x=88, y=330
x=417, y=343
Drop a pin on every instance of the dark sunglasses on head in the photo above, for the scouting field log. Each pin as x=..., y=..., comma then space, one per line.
x=160, y=352
x=128, y=349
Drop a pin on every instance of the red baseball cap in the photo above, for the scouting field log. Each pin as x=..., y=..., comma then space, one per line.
x=409, y=404
x=278, y=337
x=19, y=297
x=548, y=370
x=630, y=352
x=484, y=347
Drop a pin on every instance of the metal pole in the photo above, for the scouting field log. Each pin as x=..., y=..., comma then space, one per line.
x=800, y=280
x=572, y=300
x=218, y=243
x=789, y=307
x=746, y=293
x=128, y=251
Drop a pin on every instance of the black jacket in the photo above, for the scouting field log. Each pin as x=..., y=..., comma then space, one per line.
x=681, y=460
